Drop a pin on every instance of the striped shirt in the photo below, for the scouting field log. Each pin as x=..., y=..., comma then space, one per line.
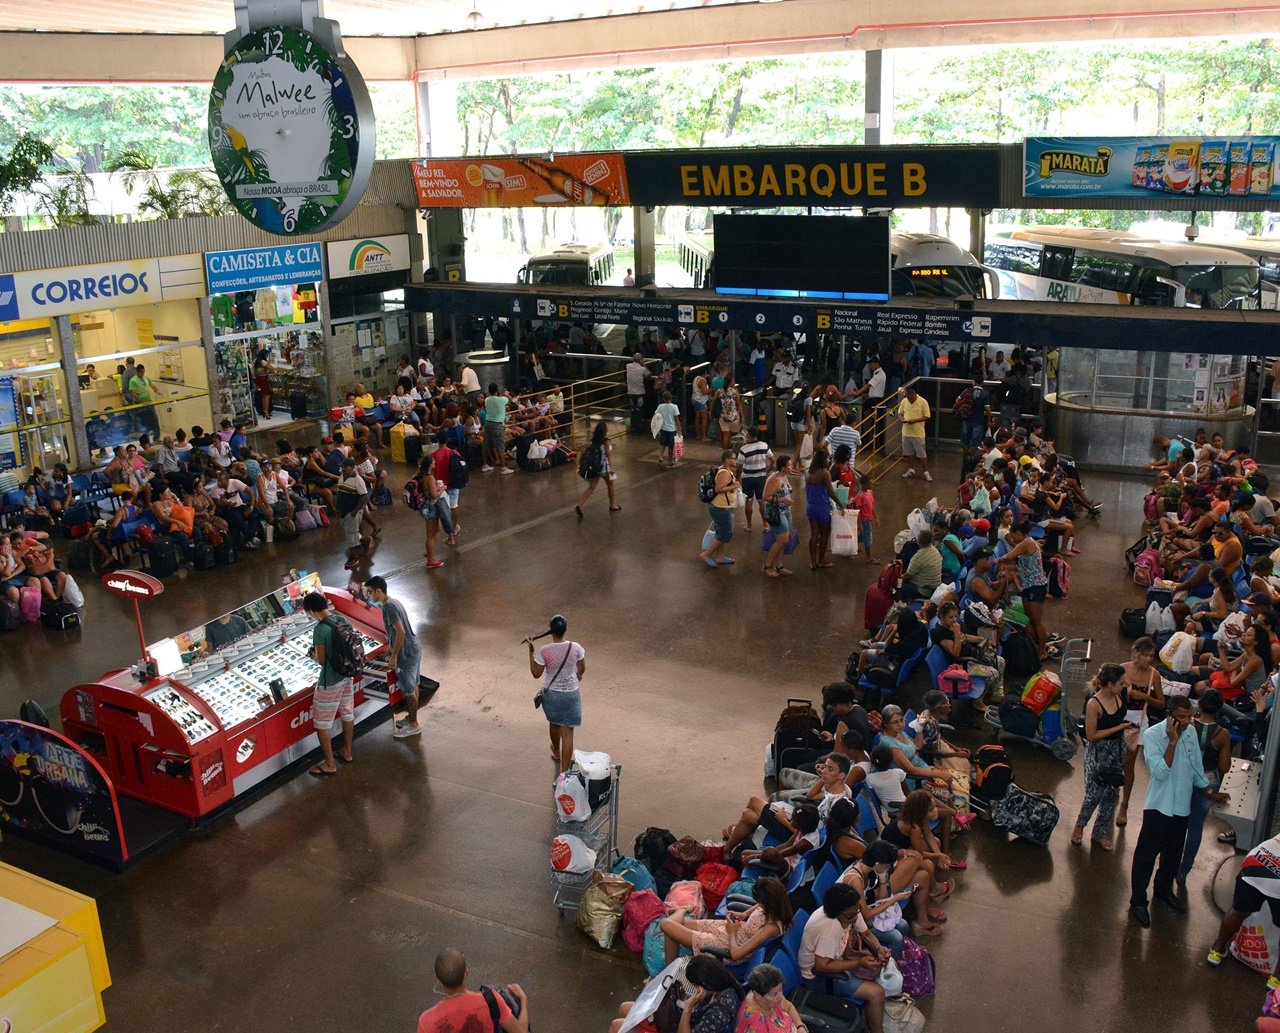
x=844, y=435
x=754, y=457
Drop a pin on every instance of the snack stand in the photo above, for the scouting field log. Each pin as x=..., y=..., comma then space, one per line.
x=206, y=718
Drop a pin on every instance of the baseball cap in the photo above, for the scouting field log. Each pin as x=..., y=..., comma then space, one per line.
x=1025, y=461
x=326, y=441
x=982, y=525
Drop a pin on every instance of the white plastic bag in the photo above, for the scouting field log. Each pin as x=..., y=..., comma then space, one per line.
x=806, y=448
x=1175, y=688
x=941, y=592
x=890, y=978
x=1159, y=618
x=708, y=537
x=1179, y=653
x=571, y=855
x=917, y=522
x=571, y=797
x=740, y=498
x=1231, y=629
x=655, y=424
x=593, y=763
x=930, y=510
x=844, y=535
x=71, y=592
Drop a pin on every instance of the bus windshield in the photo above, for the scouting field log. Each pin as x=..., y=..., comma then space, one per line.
x=1219, y=286
x=566, y=273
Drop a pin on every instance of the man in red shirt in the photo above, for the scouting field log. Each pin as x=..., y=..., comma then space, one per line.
x=440, y=460
x=470, y=1011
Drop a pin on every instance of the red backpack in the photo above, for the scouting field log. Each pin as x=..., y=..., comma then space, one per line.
x=715, y=879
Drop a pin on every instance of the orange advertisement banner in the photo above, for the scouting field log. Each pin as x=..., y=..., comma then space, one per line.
x=521, y=182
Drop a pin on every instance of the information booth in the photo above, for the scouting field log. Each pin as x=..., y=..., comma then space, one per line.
x=217, y=712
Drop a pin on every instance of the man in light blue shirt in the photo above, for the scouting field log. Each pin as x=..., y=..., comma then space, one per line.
x=1173, y=760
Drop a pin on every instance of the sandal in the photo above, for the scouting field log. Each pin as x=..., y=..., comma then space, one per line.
x=319, y=772
x=937, y=915
x=771, y=572
x=958, y=866
x=1077, y=837
x=1106, y=844
x=943, y=891
x=925, y=930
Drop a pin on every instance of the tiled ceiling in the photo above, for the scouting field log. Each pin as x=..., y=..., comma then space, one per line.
x=357, y=17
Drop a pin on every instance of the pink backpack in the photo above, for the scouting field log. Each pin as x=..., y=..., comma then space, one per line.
x=1146, y=568
x=687, y=894
x=641, y=908
x=1151, y=506
x=955, y=681
x=29, y=597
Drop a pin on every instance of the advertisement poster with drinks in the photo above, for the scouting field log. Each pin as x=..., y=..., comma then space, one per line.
x=1140, y=166
x=521, y=182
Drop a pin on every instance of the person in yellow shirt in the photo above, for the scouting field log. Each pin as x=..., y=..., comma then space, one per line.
x=913, y=413
x=364, y=398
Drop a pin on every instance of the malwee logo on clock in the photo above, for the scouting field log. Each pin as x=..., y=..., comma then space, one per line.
x=8, y=298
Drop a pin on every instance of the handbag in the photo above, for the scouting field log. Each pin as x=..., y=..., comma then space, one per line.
x=902, y=1016
x=537, y=699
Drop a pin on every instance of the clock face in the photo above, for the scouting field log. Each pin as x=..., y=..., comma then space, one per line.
x=290, y=131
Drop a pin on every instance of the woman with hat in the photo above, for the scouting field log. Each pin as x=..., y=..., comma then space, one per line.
x=561, y=666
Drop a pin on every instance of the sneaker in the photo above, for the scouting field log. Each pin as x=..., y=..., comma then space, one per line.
x=928, y=476
x=404, y=730
x=251, y=546
x=1052, y=639
x=435, y=564
x=909, y=473
x=506, y=469
x=486, y=469
x=1215, y=958
x=867, y=643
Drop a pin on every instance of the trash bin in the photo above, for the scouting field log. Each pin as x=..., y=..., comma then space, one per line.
x=491, y=367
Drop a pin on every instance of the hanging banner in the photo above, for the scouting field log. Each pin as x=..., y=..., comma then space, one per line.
x=1140, y=166
x=53, y=791
x=521, y=182
x=836, y=177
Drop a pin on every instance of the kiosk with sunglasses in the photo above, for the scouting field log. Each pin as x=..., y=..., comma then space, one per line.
x=211, y=715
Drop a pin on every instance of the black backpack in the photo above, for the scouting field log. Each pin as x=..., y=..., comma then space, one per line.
x=592, y=462
x=795, y=408
x=59, y=615
x=459, y=473
x=1133, y=622
x=204, y=556
x=651, y=847
x=707, y=485
x=992, y=773
x=348, y=649
x=1021, y=656
x=491, y=995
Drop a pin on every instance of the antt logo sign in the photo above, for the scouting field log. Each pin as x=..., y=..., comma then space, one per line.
x=8, y=298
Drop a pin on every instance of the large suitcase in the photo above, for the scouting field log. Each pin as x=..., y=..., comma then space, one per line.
x=827, y=1013
x=1031, y=816
x=298, y=405
x=413, y=450
x=399, y=433
x=164, y=556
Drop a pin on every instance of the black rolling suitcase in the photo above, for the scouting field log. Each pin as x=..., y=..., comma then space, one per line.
x=164, y=556
x=204, y=555
x=413, y=450
x=225, y=553
x=298, y=405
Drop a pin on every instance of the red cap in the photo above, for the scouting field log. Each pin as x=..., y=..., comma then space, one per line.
x=982, y=525
x=326, y=441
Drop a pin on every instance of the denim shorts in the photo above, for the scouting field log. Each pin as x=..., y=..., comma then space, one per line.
x=667, y=438
x=971, y=433
x=864, y=533
x=723, y=520
x=1034, y=593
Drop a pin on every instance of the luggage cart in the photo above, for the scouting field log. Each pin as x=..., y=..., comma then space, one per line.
x=1076, y=654
x=600, y=833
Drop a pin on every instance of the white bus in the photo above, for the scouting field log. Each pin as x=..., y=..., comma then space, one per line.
x=1067, y=263
x=923, y=265
x=1263, y=250
x=570, y=265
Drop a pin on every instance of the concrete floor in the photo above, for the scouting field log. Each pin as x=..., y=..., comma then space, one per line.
x=321, y=906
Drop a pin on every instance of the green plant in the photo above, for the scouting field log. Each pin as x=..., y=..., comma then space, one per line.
x=180, y=192
x=22, y=167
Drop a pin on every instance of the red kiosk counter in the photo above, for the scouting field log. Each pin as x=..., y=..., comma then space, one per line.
x=227, y=708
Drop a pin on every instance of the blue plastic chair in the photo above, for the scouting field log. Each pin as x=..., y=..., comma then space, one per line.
x=798, y=873
x=791, y=938
x=871, y=814
x=825, y=880
x=789, y=969
x=936, y=661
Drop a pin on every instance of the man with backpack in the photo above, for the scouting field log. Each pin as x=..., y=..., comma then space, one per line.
x=404, y=654
x=488, y=1008
x=974, y=409
x=340, y=659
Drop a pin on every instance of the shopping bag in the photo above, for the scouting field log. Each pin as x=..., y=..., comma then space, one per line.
x=844, y=535
x=677, y=451
x=655, y=424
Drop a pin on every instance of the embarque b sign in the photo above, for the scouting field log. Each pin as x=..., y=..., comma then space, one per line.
x=290, y=130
